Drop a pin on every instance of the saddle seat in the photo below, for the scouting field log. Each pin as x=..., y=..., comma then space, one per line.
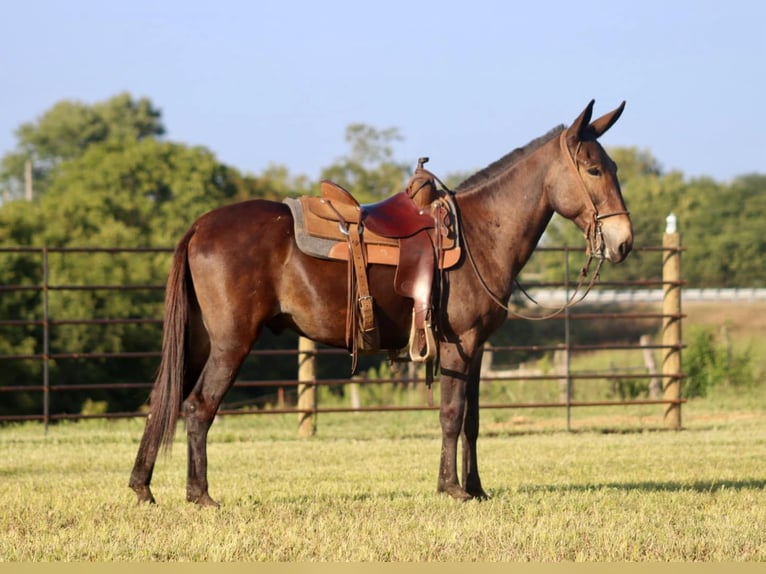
x=395, y=217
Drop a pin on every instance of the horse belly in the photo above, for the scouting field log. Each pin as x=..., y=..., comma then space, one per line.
x=313, y=298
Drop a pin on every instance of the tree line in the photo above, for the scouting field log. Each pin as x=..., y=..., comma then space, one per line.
x=105, y=175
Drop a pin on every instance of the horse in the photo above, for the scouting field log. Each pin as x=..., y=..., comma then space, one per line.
x=238, y=270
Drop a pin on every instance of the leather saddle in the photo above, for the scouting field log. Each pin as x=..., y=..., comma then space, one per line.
x=414, y=230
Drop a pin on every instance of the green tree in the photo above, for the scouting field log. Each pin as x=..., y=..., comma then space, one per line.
x=276, y=182
x=369, y=171
x=130, y=193
x=721, y=226
x=133, y=193
x=633, y=163
x=68, y=129
x=109, y=183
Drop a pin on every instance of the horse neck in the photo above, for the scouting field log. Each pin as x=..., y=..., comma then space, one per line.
x=507, y=216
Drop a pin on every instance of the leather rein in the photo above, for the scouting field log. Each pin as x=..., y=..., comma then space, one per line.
x=595, y=245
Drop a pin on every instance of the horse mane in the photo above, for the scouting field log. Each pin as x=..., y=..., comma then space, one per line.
x=505, y=162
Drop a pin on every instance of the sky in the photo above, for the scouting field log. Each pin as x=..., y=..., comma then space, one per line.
x=464, y=82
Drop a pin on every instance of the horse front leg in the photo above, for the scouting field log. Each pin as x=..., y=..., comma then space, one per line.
x=453, y=382
x=470, y=434
x=451, y=412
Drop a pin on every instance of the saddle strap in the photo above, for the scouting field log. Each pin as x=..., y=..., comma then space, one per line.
x=363, y=288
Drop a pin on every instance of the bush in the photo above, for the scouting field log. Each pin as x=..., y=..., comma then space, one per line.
x=707, y=363
x=630, y=389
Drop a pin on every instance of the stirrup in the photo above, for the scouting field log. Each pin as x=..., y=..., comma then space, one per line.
x=430, y=352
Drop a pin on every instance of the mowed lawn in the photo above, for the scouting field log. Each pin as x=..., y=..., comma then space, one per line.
x=364, y=489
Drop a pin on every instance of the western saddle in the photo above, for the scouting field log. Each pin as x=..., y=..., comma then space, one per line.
x=414, y=230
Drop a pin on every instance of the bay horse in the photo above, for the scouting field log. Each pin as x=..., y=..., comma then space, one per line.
x=238, y=270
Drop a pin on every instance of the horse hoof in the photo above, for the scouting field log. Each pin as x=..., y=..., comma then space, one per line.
x=144, y=495
x=204, y=500
x=477, y=492
x=455, y=492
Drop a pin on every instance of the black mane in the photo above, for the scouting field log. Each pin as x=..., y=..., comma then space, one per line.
x=508, y=160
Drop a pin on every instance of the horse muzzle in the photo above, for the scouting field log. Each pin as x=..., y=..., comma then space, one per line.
x=613, y=237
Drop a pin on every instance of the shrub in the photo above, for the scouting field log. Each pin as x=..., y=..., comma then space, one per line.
x=707, y=363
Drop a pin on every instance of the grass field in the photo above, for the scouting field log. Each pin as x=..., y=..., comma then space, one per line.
x=363, y=489
x=617, y=488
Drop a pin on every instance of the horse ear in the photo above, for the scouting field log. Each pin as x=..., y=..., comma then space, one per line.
x=577, y=130
x=599, y=126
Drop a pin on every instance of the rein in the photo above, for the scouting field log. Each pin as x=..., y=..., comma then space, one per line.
x=571, y=302
x=595, y=246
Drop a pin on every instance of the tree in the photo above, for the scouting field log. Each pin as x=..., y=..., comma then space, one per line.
x=634, y=163
x=68, y=129
x=722, y=230
x=369, y=172
x=118, y=193
x=276, y=182
x=110, y=182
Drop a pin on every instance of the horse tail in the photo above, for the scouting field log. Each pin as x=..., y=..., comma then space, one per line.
x=167, y=393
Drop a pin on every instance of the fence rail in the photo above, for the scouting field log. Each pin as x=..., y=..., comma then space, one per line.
x=306, y=382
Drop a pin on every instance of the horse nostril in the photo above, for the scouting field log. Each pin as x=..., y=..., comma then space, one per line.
x=625, y=248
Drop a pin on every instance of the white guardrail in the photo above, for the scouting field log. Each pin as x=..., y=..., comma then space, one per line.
x=741, y=295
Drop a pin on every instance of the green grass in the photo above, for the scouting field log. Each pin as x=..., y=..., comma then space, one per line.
x=363, y=489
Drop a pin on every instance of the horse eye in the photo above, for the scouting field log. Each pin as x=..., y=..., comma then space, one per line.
x=594, y=171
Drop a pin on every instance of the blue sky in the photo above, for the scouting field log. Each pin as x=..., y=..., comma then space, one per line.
x=465, y=82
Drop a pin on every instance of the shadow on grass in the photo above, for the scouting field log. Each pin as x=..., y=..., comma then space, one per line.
x=401, y=496
x=710, y=486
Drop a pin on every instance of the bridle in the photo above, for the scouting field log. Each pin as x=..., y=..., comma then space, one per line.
x=595, y=248
x=593, y=233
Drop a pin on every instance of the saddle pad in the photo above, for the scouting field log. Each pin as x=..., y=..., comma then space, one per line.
x=329, y=243
x=320, y=219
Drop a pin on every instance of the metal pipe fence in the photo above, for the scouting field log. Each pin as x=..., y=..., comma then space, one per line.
x=34, y=380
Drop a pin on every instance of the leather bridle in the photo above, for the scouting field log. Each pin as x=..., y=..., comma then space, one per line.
x=595, y=247
x=593, y=232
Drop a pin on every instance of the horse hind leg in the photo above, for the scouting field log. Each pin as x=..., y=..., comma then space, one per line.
x=143, y=467
x=200, y=408
x=150, y=446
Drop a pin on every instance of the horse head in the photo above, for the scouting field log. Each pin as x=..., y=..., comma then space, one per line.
x=583, y=187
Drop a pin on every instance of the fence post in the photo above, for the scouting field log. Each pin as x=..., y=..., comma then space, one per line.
x=306, y=387
x=671, y=323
